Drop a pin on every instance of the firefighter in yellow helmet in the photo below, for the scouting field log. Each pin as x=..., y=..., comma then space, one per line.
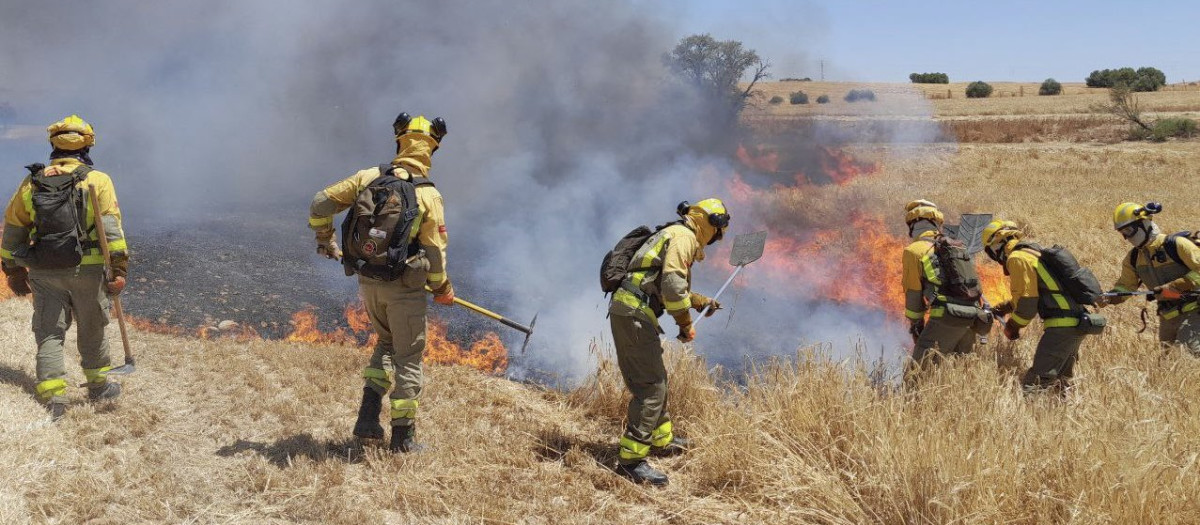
x=950, y=328
x=1167, y=264
x=50, y=250
x=1037, y=291
x=394, y=266
x=659, y=279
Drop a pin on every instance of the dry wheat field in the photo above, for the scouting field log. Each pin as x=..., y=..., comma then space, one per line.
x=258, y=432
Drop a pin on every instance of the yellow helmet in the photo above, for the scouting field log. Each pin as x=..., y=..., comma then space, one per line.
x=711, y=211
x=1000, y=231
x=923, y=209
x=1129, y=212
x=71, y=133
x=405, y=124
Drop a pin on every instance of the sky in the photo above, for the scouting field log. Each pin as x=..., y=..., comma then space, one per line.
x=1017, y=40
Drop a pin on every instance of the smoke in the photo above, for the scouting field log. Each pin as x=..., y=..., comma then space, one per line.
x=564, y=133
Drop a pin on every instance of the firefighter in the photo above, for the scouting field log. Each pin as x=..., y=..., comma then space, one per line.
x=51, y=251
x=659, y=279
x=1036, y=291
x=396, y=307
x=922, y=279
x=1167, y=264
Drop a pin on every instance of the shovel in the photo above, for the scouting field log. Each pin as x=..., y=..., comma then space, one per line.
x=527, y=330
x=128, y=367
x=747, y=248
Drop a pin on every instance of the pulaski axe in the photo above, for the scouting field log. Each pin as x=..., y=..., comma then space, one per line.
x=527, y=330
x=128, y=367
x=747, y=248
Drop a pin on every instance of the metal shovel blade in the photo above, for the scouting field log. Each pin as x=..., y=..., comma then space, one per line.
x=747, y=248
x=124, y=369
x=529, y=334
x=970, y=230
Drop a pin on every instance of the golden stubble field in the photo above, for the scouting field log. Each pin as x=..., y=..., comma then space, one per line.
x=226, y=432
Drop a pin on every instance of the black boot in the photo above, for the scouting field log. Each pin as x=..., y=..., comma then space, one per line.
x=404, y=439
x=676, y=447
x=642, y=472
x=109, y=391
x=367, y=426
x=57, y=411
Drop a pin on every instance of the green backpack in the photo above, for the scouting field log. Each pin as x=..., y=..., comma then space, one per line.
x=378, y=226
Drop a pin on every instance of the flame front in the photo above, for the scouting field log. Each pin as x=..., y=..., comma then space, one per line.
x=487, y=354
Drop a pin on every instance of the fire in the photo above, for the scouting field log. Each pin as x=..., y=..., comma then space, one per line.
x=835, y=251
x=806, y=166
x=487, y=354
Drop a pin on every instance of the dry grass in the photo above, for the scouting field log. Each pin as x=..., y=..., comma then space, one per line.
x=257, y=432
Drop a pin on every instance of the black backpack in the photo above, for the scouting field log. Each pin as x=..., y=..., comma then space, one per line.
x=616, y=262
x=1078, y=282
x=376, y=230
x=60, y=215
x=1171, y=246
x=960, y=281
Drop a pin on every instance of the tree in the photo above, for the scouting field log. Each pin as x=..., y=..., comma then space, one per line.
x=798, y=97
x=1124, y=104
x=823, y=99
x=979, y=89
x=1050, y=87
x=929, y=78
x=715, y=67
x=1140, y=79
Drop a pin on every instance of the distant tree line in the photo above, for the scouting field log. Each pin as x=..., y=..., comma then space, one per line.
x=1140, y=79
x=929, y=78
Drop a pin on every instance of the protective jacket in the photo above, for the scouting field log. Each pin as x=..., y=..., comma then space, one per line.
x=1155, y=268
x=660, y=273
x=430, y=227
x=1035, y=291
x=19, y=218
x=920, y=276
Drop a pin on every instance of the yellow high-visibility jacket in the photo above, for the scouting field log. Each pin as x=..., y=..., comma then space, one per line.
x=430, y=232
x=660, y=275
x=19, y=228
x=1155, y=268
x=919, y=275
x=1035, y=291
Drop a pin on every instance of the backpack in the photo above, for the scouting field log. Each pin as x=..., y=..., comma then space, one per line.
x=1171, y=246
x=616, y=262
x=1078, y=282
x=377, y=229
x=60, y=215
x=960, y=281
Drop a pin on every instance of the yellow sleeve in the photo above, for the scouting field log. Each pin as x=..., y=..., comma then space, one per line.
x=911, y=278
x=1190, y=255
x=109, y=212
x=337, y=198
x=1023, y=282
x=1127, y=282
x=432, y=234
x=679, y=255
x=17, y=223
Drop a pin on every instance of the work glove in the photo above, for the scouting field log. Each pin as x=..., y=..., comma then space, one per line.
x=687, y=332
x=115, y=286
x=915, y=327
x=119, y=266
x=700, y=302
x=1003, y=309
x=1012, y=330
x=18, y=279
x=444, y=294
x=326, y=246
x=1167, y=293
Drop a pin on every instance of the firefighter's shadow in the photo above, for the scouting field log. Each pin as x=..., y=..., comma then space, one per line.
x=18, y=378
x=553, y=445
x=284, y=451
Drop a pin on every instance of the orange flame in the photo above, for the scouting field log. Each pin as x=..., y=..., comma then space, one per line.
x=858, y=263
x=487, y=354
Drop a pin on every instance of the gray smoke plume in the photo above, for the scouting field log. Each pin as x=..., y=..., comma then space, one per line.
x=565, y=132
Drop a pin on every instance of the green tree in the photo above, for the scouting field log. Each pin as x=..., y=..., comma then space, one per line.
x=715, y=67
x=979, y=89
x=1050, y=87
x=798, y=97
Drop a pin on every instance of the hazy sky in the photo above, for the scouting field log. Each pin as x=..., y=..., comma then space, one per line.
x=877, y=40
